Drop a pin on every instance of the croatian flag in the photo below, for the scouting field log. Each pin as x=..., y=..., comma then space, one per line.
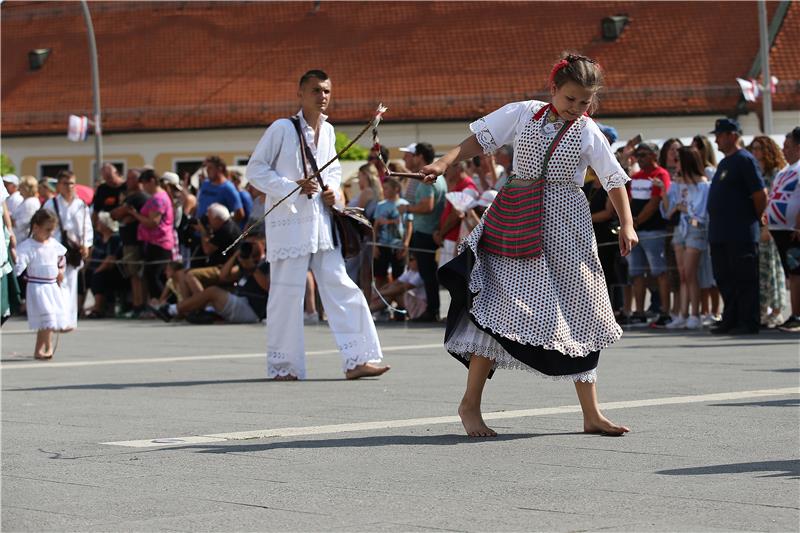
x=751, y=89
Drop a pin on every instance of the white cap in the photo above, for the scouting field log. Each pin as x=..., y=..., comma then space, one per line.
x=171, y=178
x=411, y=148
x=486, y=198
x=12, y=179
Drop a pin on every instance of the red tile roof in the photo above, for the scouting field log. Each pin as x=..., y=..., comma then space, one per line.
x=187, y=65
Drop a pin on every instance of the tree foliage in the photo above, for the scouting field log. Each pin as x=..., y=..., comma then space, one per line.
x=6, y=167
x=355, y=153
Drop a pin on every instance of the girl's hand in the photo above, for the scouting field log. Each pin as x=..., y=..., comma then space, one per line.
x=627, y=240
x=433, y=171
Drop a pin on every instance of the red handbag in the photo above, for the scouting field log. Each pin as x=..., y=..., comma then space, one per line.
x=512, y=226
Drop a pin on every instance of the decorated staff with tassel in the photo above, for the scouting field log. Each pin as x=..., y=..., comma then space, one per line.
x=295, y=164
x=528, y=290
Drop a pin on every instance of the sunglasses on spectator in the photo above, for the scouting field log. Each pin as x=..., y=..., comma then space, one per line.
x=642, y=154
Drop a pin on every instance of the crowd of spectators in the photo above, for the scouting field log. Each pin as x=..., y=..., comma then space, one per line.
x=706, y=230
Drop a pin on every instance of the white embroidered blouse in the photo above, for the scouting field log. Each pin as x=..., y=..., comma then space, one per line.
x=506, y=124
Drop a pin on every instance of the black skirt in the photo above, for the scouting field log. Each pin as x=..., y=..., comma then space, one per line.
x=455, y=276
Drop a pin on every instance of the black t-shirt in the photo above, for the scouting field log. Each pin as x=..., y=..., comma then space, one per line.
x=250, y=289
x=222, y=238
x=107, y=198
x=732, y=216
x=597, y=197
x=127, y=232
x=101, y=250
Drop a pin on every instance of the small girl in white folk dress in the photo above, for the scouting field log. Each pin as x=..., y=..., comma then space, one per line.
x=527, y=290
x=41, y=257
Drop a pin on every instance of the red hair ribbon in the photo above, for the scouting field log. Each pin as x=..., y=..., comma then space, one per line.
x=558, y=66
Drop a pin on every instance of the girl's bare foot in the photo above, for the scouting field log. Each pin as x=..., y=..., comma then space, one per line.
x=604, y=426
x=473, y=421
x=43, y=356
x=287, y=377
x=366, y=370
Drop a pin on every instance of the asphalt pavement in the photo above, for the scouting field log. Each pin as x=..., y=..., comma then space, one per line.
x=146, y=426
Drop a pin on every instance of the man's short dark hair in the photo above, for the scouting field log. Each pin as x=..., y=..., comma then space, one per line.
x=426, y=151
x=795, y=135
x=320, y=75
x=148, y=175
x=64, y=174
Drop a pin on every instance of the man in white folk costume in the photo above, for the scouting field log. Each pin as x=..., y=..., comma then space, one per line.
x=299, y=237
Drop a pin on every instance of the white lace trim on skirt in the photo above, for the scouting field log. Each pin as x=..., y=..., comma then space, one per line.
x=467, y=340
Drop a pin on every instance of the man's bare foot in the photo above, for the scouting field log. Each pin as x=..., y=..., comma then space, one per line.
x=367, y=370
x=287, y=377
x=604, y=426
x=473, y=422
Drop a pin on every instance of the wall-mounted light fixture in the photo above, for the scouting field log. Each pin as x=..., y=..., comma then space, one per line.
x=37, y=58
x=612, y=27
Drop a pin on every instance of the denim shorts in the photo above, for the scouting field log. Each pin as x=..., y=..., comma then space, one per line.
x=650, y=252
x=695, y=237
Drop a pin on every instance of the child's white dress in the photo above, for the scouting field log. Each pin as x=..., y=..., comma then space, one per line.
x=45, y=299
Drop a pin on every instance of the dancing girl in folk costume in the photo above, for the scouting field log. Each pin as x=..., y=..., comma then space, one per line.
x=300, y=236
x=527, y=289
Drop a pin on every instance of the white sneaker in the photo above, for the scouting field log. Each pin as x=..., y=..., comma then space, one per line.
x=707, y=320
x=677, y=323
x=693, y=322
x=310, y=319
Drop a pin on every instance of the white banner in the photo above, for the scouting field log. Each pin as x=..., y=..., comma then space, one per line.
x=78, y=128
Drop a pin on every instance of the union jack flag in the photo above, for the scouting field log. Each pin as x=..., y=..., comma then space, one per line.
x=783, y=188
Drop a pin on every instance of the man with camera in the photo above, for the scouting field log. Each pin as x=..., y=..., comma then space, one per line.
x=217, y=231
x=299, y=237
x=248, y=270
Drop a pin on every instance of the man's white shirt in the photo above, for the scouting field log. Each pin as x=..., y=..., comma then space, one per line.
x=298, y=226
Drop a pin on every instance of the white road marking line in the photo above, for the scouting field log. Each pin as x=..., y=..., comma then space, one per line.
x=393, y=424
x=150, y=360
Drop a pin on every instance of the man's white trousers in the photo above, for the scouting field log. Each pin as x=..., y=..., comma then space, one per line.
x=348, y=314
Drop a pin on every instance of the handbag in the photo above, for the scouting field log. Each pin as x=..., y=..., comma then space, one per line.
x=349, y=223
x=73, y=255
x=512, y=226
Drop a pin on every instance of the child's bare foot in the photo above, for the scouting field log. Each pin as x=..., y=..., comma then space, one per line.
x=473, y=421
x=43, y=356
x=604, y=426
x=287, y=377
x=365, y=371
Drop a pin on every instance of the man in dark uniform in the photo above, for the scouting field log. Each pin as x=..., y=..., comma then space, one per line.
x=736, y=200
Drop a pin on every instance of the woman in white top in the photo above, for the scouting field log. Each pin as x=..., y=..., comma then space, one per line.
x=75, y=224
x=689, y=196
x=21, y=216
x=41, y=258
x=532, y=295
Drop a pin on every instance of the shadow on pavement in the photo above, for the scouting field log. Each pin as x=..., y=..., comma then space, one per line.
x=788, y=468
x=791, y=402
x=362, y=442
